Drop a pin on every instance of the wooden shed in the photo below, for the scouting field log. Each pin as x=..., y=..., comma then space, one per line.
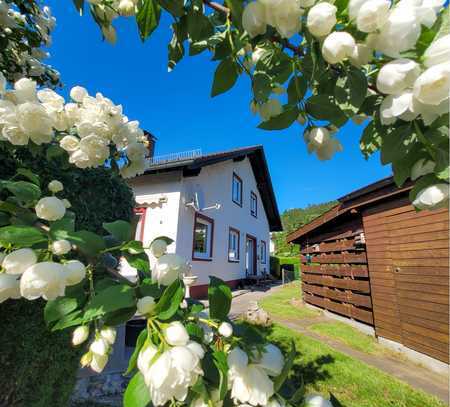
x=374, y=259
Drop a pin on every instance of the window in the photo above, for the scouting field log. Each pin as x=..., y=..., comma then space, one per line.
x=253, y=204
x=203, y=238
x=233, y=245
x=237, y=190
x=140, y=223
x=263, y=254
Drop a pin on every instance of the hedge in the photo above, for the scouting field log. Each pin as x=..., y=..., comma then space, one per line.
x=38, y=368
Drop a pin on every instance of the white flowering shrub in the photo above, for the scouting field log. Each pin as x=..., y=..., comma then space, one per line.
x=325, y=63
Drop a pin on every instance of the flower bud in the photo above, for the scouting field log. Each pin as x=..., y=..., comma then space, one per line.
x=75, y=271
x=19, y=260
x=100, y=347
x=337, y=47
x=158, y=247
x=225, y=329
x=176, y=334
x=98, y=362
x=69, y=143
x=432, y=87
x=321, y=19
x=50, y=208
x=44, y=280
x=127, y=8
x=270, y=109
x=80, y=334
x=86, y=359
x=108, y=333
x=432, y=197
x=55, y=186
x=254, y=19
x=438, y=52
x=109, y=33
x=78, y=93
x=60, y=247
x=145, y=305
x=397, y=75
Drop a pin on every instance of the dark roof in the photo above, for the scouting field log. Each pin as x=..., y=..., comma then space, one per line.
x=255, y=154
x=361, y=197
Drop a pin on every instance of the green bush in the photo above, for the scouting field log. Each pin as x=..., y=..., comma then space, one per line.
x=275, y=267
x=38, y=368
x=295, y=261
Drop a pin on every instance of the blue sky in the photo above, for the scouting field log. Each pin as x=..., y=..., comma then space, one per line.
x=177, y=108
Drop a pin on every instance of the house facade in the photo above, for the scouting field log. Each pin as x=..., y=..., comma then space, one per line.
x=218, y=208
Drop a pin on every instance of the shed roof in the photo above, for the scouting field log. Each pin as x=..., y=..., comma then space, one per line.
x=361, y=197
x=193, y=166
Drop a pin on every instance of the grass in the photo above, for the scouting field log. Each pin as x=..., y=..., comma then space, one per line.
x=352, y=382
x=279, y=304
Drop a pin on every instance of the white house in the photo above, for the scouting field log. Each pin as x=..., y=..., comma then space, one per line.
x=218, y=208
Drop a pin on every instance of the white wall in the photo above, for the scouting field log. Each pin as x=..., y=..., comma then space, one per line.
x=215, y=182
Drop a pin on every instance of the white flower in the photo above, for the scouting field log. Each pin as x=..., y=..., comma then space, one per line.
x=176, y=334
x=168, y=268
x=25, y=90
x=145, y=305
x=397, y=75
x=372, y=15
x=9, y=287
x=19, y=260
x=55, y=186
x=316, y=400
x=272, y=360
x=69, y=143
x=109, y=33
x=50, y=208
x=78, y=93
x=108, y=333
x=253, y=19
x=422, y=167
x=338, y=46
x=401, y=106
x=136, y=151
x=319, y=140
x=34, y=121
x=2, y=84
x=80, y=334
x=158, y=248
x=98, y=362
x=44, y=280
x=400, y=32
x=426, y=10
x=286, y=15
x=433, y=86
x=225, y=329
x=96, y=148
x=61, y=247
x=438, y=52
x=432, y=197
x=127, y=8
x=321, y=19
x=362, y=54
x=270, y=109
x=75, y=272
x=51, y=100
x=100, y=347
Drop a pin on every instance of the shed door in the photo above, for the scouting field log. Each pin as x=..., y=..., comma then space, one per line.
x=416, y=246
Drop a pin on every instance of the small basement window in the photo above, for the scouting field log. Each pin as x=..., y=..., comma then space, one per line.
x=203, y=238
x=237, y=189
x=233, y=245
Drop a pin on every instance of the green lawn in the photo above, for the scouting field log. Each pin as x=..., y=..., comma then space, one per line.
x=278, y=304
x=352, y=382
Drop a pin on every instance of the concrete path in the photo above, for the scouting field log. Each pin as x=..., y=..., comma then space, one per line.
x=415, y=375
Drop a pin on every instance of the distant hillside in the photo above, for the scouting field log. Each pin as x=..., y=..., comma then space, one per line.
x=292, y=219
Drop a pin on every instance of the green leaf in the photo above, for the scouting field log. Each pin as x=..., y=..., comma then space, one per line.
x=322, y=107
x=87, y=242
x=176, y=47
x=134, y=357
x=219, y=296
x=147, y=18
x=119, y=317
x=282, y=121
x=61, y=228
x=69, y=320
x=220, y=361
x=225, y=77
x=23, y=236
x=120, y=229
x=4, y=219
x=136, y=394
x=280, y=379
x=296, y=89
x=25, y=172
x=198, y=25
x=111, y=299
x=370, y=139
x=24, y=191
x=174, y=7
x=275, y=63
x=351, y=90
x=396, y=143
x=139, y=261
x=299, y=394
x=236, y=8
x=148, y=288
x=170, y=301
x=262, y=86
x=168, y=240
x=133, y=247
x=57, y=309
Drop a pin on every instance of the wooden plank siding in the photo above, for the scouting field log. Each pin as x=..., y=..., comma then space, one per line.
x=408, y=256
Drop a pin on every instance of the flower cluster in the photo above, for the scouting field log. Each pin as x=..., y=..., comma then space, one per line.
x=90, y=129
x=320, y=141
x=170, y=374
x=25, y=28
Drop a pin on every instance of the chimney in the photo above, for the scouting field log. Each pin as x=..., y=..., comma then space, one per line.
x=151, y=140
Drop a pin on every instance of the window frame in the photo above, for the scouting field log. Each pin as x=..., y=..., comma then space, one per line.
x=255, y=197
x=239, y=180
x=140, y=225
x=238, y=232
x=263, y=243
x=195, y=255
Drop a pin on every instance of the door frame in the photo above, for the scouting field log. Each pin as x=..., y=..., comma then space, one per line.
x=255, y=253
